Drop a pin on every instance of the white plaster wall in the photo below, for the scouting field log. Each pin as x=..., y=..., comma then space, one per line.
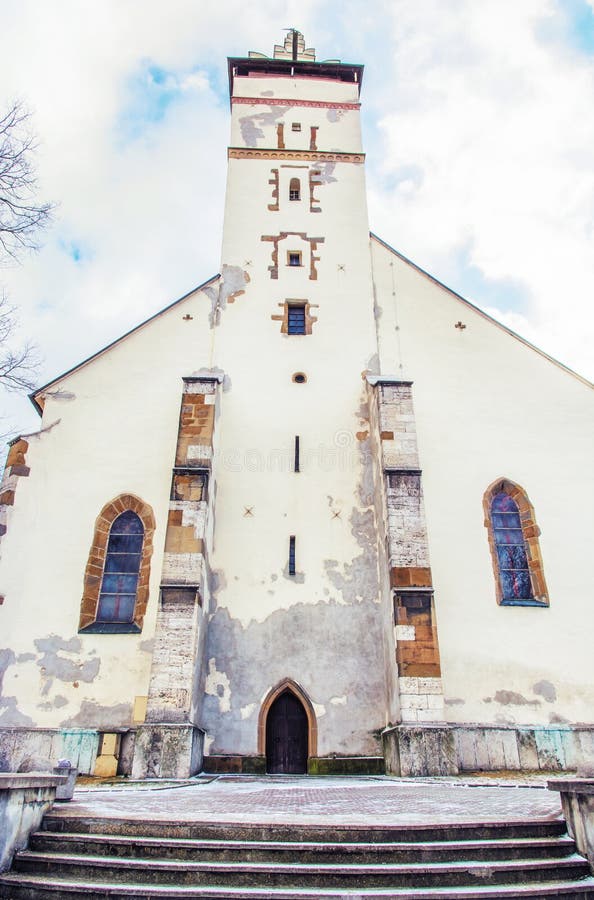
x=488, y=406
x=115, y=432
x=254, y=125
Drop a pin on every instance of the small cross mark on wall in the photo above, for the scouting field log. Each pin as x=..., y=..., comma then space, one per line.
x=335, y=514
x=187, y=317
x=247, y=262
x=460, y=325
x=341, y=267
x=249, y=512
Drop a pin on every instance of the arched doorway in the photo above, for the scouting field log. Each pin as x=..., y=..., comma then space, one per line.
x=287, y=736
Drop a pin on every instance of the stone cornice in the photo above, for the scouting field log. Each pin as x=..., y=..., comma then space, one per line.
x=277, y=101
x=310, y=155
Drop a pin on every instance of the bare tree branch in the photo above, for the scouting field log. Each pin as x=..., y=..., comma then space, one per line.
x=18, y=362
x=21, y=218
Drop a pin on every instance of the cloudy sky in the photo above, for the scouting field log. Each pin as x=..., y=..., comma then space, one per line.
x=478, y=126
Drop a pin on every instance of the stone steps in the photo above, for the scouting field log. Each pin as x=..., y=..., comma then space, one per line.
x=281, y=852
x=386, y=875
x=18, y=887
x=94, y=857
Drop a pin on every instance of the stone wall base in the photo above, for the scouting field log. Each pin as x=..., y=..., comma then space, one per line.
x=450, y=749
x=167, y=751
x=41, y=748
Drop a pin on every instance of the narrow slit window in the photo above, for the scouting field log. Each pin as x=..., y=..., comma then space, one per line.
x=294, y=258
x=296, y=469
x=294, y=189
x=296, y=318
x=119, y=584
x=292, y=555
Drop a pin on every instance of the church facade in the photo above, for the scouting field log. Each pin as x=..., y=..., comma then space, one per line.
x=319, y=515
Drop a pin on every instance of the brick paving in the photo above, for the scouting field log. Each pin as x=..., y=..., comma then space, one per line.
x=329, y=801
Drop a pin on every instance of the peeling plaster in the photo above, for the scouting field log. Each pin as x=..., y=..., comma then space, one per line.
x=298, y=577
x=454, y=701
x=319, y=710
x=147, y=646
x=54, y=666
x=338, y=701
x=325, y=172
x=546, y=690
x=251, y=126
x=358, y=580
x=93, y=715
x=61, y=395
x=334, y=115
x=511, y=698
x=246, y=711
x=556, y=719
x=250, y=658
x=217, y=685
x=9, y=711
x=230, y=285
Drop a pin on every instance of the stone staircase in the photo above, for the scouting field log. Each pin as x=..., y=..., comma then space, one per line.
x=95, y=857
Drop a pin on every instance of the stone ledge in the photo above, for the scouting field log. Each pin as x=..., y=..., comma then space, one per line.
x=577, y=803
x=572, y=785
x=18, y=781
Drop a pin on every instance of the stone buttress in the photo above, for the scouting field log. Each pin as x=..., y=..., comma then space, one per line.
x=169, y=744
x=420, y=690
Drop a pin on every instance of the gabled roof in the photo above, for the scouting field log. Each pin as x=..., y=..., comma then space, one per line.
x=481, y=312
x=33, y=395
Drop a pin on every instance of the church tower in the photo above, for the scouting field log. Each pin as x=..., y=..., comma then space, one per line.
x=297, y=615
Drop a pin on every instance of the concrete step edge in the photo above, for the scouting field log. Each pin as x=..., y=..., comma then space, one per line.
x=563, y=840
x=103, y=862
x=551, y=889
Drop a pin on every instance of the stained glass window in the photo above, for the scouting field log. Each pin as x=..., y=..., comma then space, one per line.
x=512, y=560
x=122, y=566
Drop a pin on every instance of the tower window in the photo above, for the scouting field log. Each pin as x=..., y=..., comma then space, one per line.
x=294, y=189
x=296, y=126
x=296, y=323
x=292, y=555
x=294, y=258
x=296, y=469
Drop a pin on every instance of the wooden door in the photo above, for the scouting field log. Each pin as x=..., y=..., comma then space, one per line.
x=286, y=736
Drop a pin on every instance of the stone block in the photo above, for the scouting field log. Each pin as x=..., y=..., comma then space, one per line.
x=167, y=751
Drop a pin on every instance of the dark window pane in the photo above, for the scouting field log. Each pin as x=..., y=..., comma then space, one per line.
x=296, y=319
x=124, y=543
x=116, y=608
x=502, y=502
x=107, y=605
x=127, y=523
x=511, y=536
x=119, y=584
x=512, y=556
x=506, y=520
x=123, y=562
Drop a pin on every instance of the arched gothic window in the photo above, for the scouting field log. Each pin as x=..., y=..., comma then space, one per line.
x=294, y=189
x=119, y=584
x=513, y=538
x=116, y=582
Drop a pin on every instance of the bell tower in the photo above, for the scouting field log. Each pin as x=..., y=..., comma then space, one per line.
x=295, y=540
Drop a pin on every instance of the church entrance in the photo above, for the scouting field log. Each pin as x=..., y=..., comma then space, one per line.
x=286, y=736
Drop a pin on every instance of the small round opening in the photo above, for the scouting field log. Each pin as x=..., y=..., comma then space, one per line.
x=299, y=377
